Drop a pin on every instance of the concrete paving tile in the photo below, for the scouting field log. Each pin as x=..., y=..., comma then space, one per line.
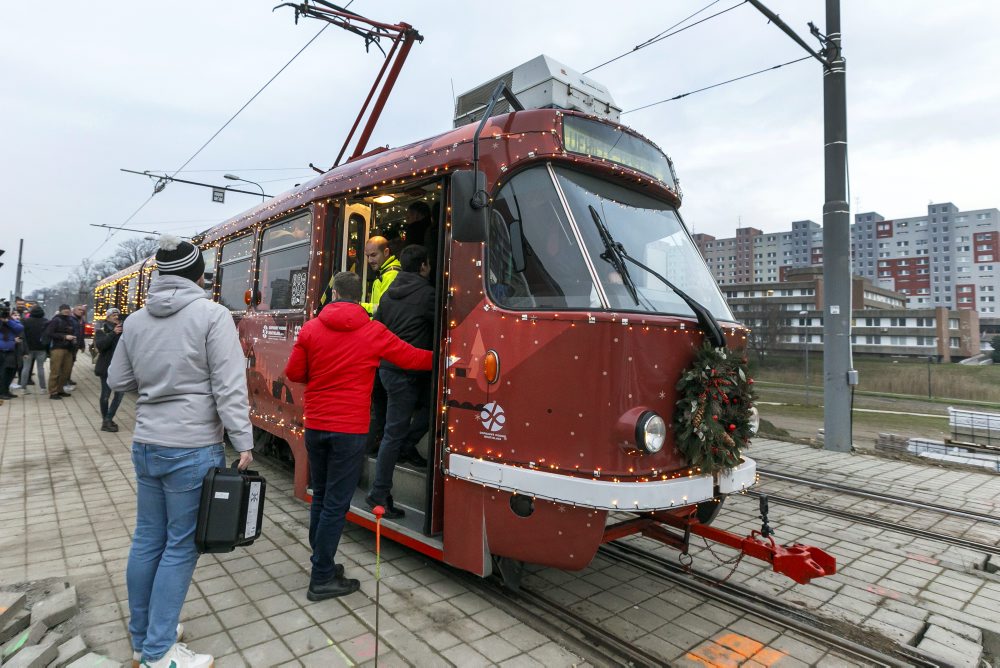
x=360, y=648
x=307, y=640
x=331, y=657
x=270, y=653
x=201, y=627
x=276, y=605
x=343, y=628
x=253, y=633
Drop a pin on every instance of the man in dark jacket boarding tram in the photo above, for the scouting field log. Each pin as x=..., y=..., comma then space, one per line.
x=336, y=355
x=182, y=354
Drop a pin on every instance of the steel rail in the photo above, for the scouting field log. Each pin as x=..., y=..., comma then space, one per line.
x=766, y=607
x=888, y=498
x=972, y=545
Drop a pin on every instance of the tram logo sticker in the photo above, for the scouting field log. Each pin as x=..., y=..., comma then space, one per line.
x=492, y=417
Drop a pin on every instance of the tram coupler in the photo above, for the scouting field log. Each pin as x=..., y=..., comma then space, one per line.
x=801, y=563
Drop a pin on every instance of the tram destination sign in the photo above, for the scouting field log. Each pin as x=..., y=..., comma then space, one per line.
x=599, y=140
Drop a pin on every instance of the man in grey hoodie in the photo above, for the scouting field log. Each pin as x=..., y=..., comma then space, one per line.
x=182, y=354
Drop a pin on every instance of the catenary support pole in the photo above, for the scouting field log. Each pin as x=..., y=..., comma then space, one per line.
x=17, y=281
x=836, y=245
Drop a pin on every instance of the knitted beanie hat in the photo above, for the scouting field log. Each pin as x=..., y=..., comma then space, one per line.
x=179, y=258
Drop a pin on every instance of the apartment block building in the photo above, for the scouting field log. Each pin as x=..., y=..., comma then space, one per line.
x=788, y=315
x=947, y=257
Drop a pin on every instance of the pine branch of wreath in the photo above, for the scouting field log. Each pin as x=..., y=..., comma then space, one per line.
x=716, y=395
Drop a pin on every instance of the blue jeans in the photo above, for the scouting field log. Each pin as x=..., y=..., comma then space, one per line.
x=163, y=555
x=335, y=461
x=402, y=429
x=108, y=413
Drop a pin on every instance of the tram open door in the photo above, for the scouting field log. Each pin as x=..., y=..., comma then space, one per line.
x=414, y=215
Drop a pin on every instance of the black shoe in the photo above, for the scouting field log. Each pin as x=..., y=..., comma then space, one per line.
x=336, y=586
x=414, y=459
x=30, y=382
x=391, y=511
x=108, y=425
x=65, y=394
x=55, y=396
x=8, y=395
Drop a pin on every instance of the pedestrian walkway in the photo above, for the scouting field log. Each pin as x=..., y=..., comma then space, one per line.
x=67, y=510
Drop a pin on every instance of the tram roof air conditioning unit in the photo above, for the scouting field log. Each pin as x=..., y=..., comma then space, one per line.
x=540, y=83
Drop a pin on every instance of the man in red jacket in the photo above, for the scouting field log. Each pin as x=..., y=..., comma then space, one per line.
x=336, y=356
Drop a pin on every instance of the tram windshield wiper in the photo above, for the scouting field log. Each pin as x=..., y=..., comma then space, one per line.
x=616, y=254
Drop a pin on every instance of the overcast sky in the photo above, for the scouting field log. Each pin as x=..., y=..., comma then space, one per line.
x=89, y=88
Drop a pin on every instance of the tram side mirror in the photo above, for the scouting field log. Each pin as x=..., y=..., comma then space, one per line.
x=469, y=206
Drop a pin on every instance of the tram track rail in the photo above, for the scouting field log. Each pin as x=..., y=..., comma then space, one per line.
x=992, y=550
x=879, y=496
x=555, y=620
x=870, y=646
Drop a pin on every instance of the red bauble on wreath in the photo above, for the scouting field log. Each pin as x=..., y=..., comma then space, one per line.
x=714, y=445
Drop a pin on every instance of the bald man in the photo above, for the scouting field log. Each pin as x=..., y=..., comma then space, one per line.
x=379, y=257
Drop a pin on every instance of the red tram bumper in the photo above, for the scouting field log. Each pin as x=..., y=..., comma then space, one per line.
x=566, y=523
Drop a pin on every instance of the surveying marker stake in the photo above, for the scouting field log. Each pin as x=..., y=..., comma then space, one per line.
x=378, y=511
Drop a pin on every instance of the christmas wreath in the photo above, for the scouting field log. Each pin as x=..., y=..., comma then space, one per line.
x=713, y=419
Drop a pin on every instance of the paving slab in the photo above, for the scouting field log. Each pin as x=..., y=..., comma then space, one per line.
x=56, y=608
x=15, y=625
x=10, y=604
x=94, y=660
x=69, y=651
x=26, y=638
x=36, y=656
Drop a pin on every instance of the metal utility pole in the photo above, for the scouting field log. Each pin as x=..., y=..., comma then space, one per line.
x=838, y=376
x=17, y=280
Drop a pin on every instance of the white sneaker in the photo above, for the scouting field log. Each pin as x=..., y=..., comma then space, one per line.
x=15, y=386
x=179, y=656
x=69, y=388
x=137, y=656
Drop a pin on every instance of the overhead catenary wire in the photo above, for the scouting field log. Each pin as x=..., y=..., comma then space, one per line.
x=716, y=85
x=667, y=33
x=113, y=231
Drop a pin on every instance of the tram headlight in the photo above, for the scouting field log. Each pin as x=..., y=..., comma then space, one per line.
x=754, y=421
x=650, y=432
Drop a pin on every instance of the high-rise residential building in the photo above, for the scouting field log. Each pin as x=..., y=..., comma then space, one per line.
x=948, y=257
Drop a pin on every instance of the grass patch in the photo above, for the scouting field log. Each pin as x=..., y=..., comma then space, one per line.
x=903, y=377
x=887, y=422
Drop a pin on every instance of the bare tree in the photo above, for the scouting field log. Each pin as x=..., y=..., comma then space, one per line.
x=131, y=251
x=768, y=324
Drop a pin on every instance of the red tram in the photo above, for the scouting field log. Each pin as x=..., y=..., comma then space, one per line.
x=554, y=384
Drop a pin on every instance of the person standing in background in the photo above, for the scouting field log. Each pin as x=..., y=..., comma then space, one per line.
x=61, y=334
x=105, y=341
x=38, y=349
x=10, y=334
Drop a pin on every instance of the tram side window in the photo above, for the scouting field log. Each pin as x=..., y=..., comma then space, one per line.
x=534, y=260
x=234, y=272
x=133, y=292
x=284, y=265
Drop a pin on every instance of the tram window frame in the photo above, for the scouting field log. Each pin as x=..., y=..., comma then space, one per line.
x=523, y=290
x=264, y=254
x=210, y=255
x=225, y=265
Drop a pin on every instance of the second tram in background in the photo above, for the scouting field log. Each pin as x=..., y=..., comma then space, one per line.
x=555, y=374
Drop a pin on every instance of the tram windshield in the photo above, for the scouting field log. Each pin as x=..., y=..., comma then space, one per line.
x=538, y=259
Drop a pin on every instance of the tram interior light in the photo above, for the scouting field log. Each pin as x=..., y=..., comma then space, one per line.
x=650, y=432
x=383, y=199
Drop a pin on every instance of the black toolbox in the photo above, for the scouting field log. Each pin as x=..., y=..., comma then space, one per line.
x=231, y=511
